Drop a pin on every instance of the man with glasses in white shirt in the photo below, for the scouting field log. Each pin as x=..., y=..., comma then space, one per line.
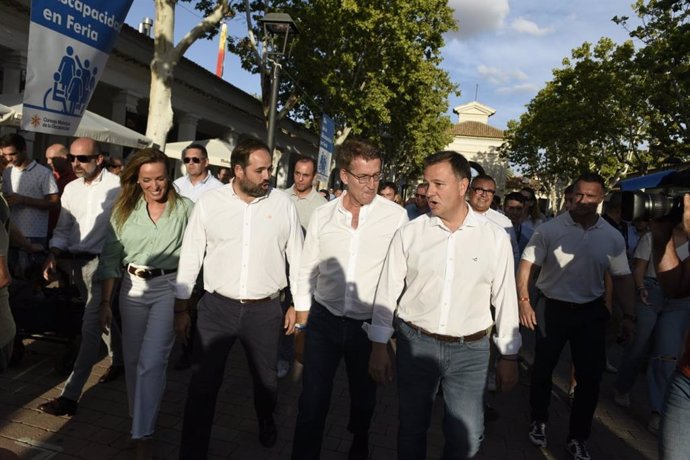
x=198, y=178
x=242, y=234
x=343, y=254
x=442, y=273
x=74, y=249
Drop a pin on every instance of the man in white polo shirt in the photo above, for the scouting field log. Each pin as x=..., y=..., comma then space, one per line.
x=29, y=188
x=343, y=254
x=198, y=178
x=442, y=273
x=575, y=250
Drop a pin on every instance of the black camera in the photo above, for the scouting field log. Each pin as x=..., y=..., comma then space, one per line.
x=662, y=198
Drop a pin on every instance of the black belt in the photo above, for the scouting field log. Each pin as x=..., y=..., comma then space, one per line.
x=448, y=338
x=77, y=255
x=573, y=305
x=148, y=273
x=263, y=299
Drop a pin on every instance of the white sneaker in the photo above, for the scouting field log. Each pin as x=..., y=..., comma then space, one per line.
x=578, y=450
x=537, y=434
x=621, y=399
x=283, y=368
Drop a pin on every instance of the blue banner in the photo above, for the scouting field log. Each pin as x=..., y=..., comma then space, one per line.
x=69, y=45
x=326, y=147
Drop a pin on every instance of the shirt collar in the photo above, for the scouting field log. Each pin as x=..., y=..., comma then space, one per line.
x=203, y=181
x=96, y=180
x=309, y=196
x=364, y=211
x=472, y=219
x=569, y=221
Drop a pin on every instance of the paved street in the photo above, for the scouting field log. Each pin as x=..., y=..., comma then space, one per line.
x=100, y=428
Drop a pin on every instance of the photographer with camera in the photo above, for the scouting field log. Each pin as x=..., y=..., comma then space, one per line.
x=674, y=277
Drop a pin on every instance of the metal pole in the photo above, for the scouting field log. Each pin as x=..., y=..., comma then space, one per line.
x=272, y=109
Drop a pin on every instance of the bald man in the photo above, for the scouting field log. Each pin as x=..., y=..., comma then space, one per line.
x=56, y=159
x=74, y=249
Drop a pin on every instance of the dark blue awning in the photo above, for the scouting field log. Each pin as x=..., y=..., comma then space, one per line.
x=648, y=181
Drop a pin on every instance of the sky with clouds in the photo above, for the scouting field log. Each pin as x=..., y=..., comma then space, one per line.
x=504, y=50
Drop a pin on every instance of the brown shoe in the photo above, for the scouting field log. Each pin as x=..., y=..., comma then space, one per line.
x=113, y=373
x=59, y=406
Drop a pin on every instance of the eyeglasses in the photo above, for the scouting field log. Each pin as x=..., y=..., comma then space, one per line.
x=364, y=178
x=483, y=191
x=80, y=158
x=196, y=160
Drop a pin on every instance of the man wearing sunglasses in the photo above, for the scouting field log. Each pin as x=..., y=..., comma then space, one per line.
x=29, y=188
x=74, y=248
x=420, y=206
x=198, y=178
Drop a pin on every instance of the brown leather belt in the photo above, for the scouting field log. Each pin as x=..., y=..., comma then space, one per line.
x=448, y=338
x=263, y=299
x=148, y=273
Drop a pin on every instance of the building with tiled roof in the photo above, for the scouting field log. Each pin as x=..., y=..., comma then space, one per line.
x=478, y=141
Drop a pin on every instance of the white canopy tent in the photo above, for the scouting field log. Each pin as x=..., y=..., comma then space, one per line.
x=218, y=150
x=91, y=125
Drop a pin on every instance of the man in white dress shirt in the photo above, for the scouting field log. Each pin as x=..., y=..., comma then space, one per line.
x=198, y=178
x=74, y=248
x=442, y=273
x=344, y=250
x=242, y=235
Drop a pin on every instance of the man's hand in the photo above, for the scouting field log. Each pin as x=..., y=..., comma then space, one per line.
x=182, y=322
x=15, y=199
x=289, y=323
x=380, y=368
x=5, y=277
x=106, y=318
x=507, y=373
x=528, y=317
x=50, y=268
x=627, y=333
x=686, y=213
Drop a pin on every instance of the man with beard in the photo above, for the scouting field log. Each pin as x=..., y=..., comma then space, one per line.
x=74, y=249
x=29, y=188
x=242, y=235
x=343, y=254
x=575, y=250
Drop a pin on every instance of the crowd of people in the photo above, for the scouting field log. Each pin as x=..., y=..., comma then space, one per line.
x=440, y=285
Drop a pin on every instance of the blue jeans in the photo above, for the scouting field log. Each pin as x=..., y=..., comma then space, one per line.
x=329, y=339
x=674, y=434
x=662, y=326
x=460, y=368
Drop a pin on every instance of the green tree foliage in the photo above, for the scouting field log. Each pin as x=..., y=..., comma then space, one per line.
x=664, y=63
x=611, y=108
x=372, y=65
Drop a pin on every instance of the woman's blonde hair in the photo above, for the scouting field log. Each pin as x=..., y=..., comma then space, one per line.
x=131, y=191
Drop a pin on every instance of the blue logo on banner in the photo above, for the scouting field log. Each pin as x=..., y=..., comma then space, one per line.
x=73, y=82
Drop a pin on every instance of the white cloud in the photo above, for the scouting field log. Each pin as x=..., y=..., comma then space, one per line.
x=498, y=76
x=518, y=88
x=526, y=26
x=475, y=17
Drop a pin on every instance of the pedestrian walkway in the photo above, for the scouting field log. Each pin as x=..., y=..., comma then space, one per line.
x=100, y=428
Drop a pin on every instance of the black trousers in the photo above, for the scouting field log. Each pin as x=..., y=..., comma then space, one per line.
x=584, y=327
x=330, y=339
x=220, y=322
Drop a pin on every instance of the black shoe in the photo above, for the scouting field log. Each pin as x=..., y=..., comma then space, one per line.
x=490, y=413
x=113, y=373
x=59, y=406
x=359, y=449
x=268, y=434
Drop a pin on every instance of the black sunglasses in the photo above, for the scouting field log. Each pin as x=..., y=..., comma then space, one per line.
x=192, y=159
x=80, y=158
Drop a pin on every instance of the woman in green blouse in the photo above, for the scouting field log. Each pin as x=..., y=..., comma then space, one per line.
x=143, y=247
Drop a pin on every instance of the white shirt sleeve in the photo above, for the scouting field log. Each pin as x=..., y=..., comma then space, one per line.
x=504, y=300
x=191, y=254
x=309, y=266
x=390, y=286
x=293, y=249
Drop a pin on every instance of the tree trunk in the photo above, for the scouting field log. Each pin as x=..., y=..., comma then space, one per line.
x=160, y=118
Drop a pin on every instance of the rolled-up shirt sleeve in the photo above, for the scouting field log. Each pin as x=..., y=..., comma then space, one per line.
x=110, y=260
x=390, y=286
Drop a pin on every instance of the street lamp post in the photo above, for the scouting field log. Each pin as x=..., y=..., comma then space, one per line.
x=278, y=28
